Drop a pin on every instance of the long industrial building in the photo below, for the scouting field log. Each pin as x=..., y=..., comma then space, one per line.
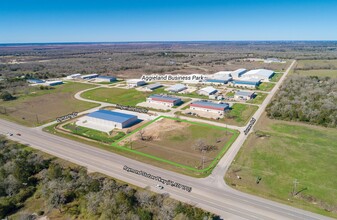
x=260, y=74
x=164, y=100
x=211, y=107
x=105, y=120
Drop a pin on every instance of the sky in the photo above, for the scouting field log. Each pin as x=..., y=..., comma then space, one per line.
x=39, y=21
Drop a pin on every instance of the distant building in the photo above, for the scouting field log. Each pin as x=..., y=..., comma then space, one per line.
x=89, y=76
x=105, y=79
x=273, y=60
x=211, y=107
x=154, y=86
x=260, y=74
x=35, y=81
x=53, y=83
x=135, y=82
x=109, y=119
x=177, y=88
x=238, y=73
x=209, y=90
x=246, y=83
x=244, y=95
x=74, y=76
x=221, y=77
x=164, y=100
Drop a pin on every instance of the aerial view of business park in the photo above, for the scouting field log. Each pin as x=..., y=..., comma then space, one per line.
x=242, y=122
x=187, y=125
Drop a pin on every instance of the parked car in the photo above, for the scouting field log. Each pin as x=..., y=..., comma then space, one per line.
x=159, y=186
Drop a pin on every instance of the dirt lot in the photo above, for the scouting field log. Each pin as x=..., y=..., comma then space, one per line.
x=175, y=141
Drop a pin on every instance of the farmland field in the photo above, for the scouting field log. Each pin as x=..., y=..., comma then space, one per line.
x=175, y=141
x=282, y=152
x=324, y=68
x=35, y=106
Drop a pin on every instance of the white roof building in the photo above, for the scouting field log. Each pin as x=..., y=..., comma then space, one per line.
x=209, y=90
x=260, y=74
x=177, y=88
x=135, y=82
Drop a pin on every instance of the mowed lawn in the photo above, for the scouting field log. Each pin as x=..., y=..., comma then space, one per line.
x=258, y=99
x=129, y=97
x=240, y=114
x=276, y=77
x=41, y=106
x=283, y=152
x=266, y=86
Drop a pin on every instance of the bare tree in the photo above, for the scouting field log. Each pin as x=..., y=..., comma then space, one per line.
x=141, y=134
x=201, y=146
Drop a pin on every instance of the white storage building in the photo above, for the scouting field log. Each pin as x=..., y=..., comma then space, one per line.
x=209, y=90
x=105, y=120
x=135, y=82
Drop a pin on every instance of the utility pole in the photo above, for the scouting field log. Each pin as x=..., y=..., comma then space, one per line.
x=203, y=159
x=295, y=186
x=37, y=119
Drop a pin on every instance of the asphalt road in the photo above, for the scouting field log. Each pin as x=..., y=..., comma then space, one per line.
x=209, y=193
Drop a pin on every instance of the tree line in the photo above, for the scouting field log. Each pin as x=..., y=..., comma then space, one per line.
x=308, y=99
x=72, y=192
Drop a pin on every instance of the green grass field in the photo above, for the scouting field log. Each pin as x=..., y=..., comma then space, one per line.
x=283, y=152
x=259, y=98
x=240, y=114
x=34, y=106
x=276, y=77
x=324, y=68
x=93, y=134
x=265, y=86
x=129, y=97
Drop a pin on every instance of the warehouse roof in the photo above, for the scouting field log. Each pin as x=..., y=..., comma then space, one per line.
x=210, y=105
x=135, y=81
x=106, y=77
x=244, y=93
x=154, y=86
x=237, y=73
x=259, y=73
x=111, y=116
x=177, y=87
x=164, y=98
x=208, y=89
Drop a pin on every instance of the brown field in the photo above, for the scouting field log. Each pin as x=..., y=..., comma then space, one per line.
x=40, y=107
x=175, y=141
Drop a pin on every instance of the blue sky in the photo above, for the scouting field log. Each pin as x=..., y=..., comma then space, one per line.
x=156, y=20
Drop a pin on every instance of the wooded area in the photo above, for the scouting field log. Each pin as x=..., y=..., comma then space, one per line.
x=308, y=99
x=71, y=191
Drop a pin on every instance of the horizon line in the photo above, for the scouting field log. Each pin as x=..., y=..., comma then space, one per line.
x=154, y=41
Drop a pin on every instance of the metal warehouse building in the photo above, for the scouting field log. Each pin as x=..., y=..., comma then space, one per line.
x=105, y=79
x=154, y=86
x=209, y=106
x=164, y=100
x=105, y=120
x=247, y=83
x=209, y=90
x=135, y=82
x=238, y=73
x=177, y=88
x=89, y=76
x=244, y=95
x=260, y=74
